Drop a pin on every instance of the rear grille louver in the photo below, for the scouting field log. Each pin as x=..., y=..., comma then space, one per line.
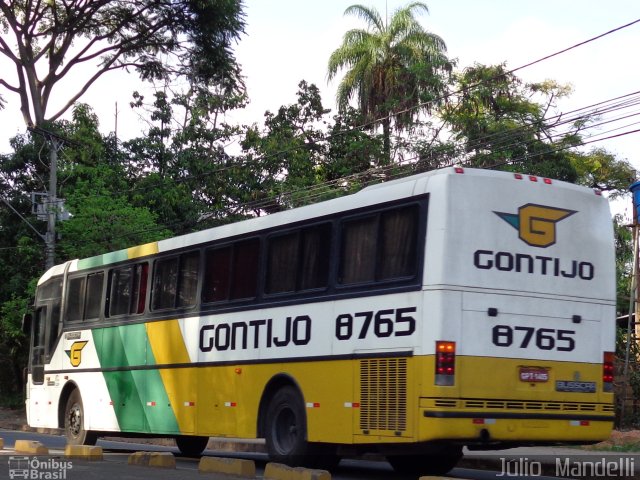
x=383, y=394
x=477, y=404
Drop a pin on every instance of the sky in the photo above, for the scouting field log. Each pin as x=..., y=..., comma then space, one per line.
x=287, y=41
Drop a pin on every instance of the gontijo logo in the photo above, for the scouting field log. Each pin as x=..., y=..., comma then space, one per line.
x=75, y=353
x=536, y=224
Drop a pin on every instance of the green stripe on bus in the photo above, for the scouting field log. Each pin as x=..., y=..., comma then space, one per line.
x=140, y=399
x=103, y=259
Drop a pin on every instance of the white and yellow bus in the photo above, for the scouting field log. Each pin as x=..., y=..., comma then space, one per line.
x=451, y=308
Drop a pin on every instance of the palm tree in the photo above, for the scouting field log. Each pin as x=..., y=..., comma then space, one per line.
x=394, y=70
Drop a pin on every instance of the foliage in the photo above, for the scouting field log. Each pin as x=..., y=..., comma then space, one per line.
x=627, y=391
x=292, y=161
x=180, y=169
x=601, y=170
x=160, y=39
x=624, y=263
x=93, y=185
x=395, y=70
x=501, y=122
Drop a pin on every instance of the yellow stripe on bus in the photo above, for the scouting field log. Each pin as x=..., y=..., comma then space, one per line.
x=169, y=348
x=142, y=250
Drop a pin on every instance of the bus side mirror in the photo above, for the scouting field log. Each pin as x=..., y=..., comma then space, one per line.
x=26, y=323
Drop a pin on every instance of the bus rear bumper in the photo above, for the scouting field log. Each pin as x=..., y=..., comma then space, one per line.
x=478, y=428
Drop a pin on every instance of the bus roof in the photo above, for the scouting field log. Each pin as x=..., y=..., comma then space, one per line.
x=371, y=195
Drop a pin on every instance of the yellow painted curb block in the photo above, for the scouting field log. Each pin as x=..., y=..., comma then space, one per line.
x=1, y=443
x=153, y=459
x=278, y=471
x=228, y=466
x=85, y=452
x=30, y=446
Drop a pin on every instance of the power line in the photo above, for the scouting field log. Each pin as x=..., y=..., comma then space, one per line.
x=255, y=160
x=419, y=106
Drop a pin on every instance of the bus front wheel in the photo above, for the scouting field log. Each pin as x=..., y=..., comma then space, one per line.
x=74, y=422
x=191, y=446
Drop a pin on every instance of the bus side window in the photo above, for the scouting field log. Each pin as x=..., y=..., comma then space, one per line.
x=217, y=274
x=299, y=260
x=120, y=291
x=93, y=297
x=53, y=329
x=398, y=232
x=379, y=247
x=75, y=299
x=175, y=281
x=245, y=269
x=282, y=263
x=127, y=290
x=165, y=283
x=358, y=255
x=188, y=279
x=315, y=257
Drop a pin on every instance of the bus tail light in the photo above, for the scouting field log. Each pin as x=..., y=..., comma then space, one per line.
x=445, y=363
x=607, y=372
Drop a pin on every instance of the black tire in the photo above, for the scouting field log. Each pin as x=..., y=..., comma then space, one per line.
x=426, y=464
x=74, y=422
x=191, y=446
x=286, y=428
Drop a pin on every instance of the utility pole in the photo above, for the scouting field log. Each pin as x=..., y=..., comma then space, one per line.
x=52, y=203
x=632, y=319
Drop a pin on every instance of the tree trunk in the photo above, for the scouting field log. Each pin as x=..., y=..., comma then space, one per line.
x=386, y=139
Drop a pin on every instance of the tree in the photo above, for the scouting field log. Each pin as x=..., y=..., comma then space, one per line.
x=601, y=170
x=180, y=169
x=395, y=70
x=47, y=40
x=499, y=121
x=285, y=157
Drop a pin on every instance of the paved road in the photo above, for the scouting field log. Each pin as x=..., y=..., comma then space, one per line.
x=477, y=465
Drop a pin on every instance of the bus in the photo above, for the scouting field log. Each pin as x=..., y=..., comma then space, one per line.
x=459, y=307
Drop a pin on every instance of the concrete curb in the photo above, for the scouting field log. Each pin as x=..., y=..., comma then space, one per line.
x=278, y=471
x=31, y=447
x=227, y=466
x=153, y=459
x=83, y=452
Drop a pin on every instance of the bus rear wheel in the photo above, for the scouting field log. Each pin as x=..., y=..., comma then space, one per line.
x=286, y=433
x=191, y=446
x=286, y=428
x=74, y=422
x=426, y=464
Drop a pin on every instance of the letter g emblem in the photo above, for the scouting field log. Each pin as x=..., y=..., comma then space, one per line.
x=538, y=224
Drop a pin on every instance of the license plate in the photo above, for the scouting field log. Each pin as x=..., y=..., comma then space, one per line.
x=534, y=374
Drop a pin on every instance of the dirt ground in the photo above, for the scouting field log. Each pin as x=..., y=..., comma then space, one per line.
x=626, y=439
x=13, y=419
